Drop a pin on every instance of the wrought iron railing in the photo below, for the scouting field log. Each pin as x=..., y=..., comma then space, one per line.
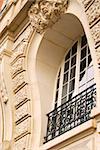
x=71, y=114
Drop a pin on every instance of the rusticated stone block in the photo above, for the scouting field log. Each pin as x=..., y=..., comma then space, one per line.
x=96, y=33
x=93, y=13
x=22, y=111
x=21, y=95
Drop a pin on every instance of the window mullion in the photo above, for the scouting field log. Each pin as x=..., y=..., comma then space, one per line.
x=61, y=84
x=78, y=66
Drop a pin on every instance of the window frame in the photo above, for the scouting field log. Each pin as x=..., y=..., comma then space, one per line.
x=77, y=73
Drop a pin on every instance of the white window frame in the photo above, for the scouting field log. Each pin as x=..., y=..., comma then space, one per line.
x=77, y=74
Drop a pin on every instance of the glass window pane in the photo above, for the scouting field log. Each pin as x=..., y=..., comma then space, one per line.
x=83, y=76
x=82, y=88
x=88, y=50
x=89, y=60
x=90, y=73
x=83, y=41
x=83, y=53
x=56, y=96
x=70, y=96
x=73, y=61
x=90, y=83
x=71, y=85
x=74, y=48
x=67, y=56
x=72, y=73
x=83, y=65
x=64, y=90
x=58, y=83
x=65, y=78
x=66, y=67
x=63, y=100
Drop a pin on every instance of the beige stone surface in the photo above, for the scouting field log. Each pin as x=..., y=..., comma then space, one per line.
x=34, y=37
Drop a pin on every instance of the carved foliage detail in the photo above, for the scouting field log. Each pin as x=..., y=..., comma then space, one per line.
x=44, y=13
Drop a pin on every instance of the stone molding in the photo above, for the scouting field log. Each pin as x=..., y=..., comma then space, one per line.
x=92, y=9
x=20, y=89
x=44, y=13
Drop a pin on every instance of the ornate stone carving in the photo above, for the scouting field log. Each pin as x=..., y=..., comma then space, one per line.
x=3, y=89
x=20, y=46
x=44, y=13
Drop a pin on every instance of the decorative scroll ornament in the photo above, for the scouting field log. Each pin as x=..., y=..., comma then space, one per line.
x=45, y=13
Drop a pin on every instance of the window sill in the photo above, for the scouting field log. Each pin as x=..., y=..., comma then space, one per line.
x=82, y=130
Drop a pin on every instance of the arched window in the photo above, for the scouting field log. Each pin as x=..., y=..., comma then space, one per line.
x=75, y=93
x=76, y=72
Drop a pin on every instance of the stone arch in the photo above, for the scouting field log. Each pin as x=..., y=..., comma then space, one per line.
x=42, y=64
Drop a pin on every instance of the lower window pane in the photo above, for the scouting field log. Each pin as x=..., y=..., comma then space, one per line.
x=83, y=65
x=63, y=100
x=64, y=90
x=65, y=78
x=71, y=85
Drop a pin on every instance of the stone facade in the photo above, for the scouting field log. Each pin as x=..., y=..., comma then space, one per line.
x=27, y=21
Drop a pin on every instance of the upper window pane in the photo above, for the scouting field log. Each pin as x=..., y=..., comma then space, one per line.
x=74, y=48
x=67, y=56
x=66, y=66
x=83, y=52
x=83, y=41
x=73, y=61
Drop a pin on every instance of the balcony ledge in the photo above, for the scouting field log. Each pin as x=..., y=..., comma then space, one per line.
x=75, y=134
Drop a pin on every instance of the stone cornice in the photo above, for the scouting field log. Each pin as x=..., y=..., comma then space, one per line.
x=45, y=13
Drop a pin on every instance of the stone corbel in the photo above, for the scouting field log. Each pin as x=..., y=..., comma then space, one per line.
x=44, y=13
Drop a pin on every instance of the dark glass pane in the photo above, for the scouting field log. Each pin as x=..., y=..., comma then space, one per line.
x=58, y=83
x=72, y=73
x=64, y=90
x=81, y=75
x=89, y=59
x=67, y=56
x=63, y=100
x=65, y=78
x=66, y=66
x=88, y=50
x=70, y=96
x=74, y=48
x=83, y=53
x=73, y=61
x=55, y=105
x=83, y=41
x=56, y=96
x=83, y=65
x=71, y=85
